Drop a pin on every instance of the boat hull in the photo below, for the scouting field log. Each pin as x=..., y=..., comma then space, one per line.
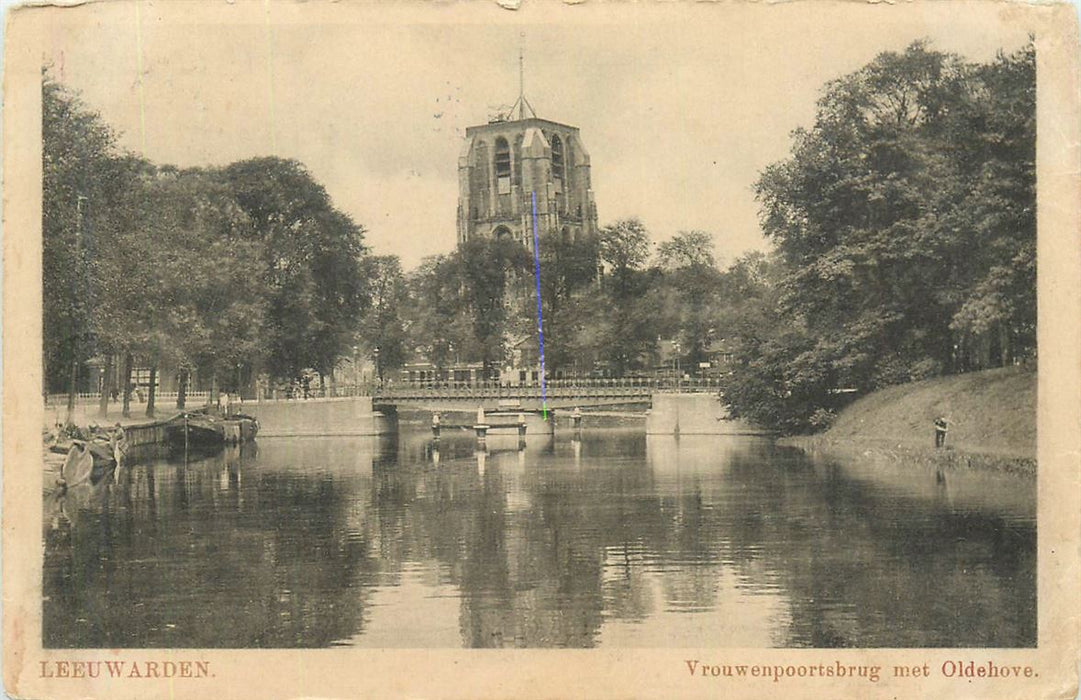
x=194, y=432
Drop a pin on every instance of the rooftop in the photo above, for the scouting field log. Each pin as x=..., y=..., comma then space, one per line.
x=531, y=121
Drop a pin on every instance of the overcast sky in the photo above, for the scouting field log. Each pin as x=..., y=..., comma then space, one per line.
x=679, y=106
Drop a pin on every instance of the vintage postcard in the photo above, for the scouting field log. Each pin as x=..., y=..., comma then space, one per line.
x=541, y=350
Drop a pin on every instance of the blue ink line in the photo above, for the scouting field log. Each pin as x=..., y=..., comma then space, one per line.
x=540, y=316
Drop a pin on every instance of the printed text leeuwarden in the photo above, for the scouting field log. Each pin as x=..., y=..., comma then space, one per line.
x=125, y=669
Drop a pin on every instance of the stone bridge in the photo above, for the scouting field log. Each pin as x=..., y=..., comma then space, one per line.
x=556, y=395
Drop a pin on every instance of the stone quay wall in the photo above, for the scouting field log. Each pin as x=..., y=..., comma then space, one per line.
x=310, y=417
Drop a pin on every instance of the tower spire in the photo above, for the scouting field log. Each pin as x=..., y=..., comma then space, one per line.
x=522, y=103
x=521, y=82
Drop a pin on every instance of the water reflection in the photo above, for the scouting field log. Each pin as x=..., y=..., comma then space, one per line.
x=613, y=539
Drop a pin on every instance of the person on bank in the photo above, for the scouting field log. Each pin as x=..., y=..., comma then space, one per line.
x=941, y=428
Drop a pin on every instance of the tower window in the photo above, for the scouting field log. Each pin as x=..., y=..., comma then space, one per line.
x=502, y=166
x=517, y=165
x=479, y=187
x=557, y=158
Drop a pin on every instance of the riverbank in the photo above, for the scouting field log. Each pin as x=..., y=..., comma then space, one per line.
x=991, y=416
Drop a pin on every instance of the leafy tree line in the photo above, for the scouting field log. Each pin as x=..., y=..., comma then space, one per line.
x=233, y=271
x=904, y=228
x=605, y=302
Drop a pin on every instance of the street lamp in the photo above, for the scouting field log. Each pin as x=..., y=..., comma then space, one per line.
x=677, y=348
x=356, y=372
x=378, y=368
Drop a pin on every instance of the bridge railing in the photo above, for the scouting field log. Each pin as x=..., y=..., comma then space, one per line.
x=559, y=388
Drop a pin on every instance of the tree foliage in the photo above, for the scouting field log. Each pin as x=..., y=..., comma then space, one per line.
x=905, y=222
x=311, y=263
x=691, y=272
x=481, y=301
x=687, y=250
x=217, y=269
x=568, y=277
x=384, y=326
x=630, y=343
x=438, y=316
x=82, y=174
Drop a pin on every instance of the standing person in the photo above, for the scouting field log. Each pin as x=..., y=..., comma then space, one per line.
x=941, y=428
x=118, y=442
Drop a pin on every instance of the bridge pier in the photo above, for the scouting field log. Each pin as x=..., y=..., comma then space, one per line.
x=481, y=426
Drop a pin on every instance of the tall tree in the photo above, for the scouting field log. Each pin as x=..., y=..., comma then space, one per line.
x=568, y=272
x=995, y=135
x=438, y=317
x=687, y=250
x=311, y=264
x=489, y=267
x=624, y=250
x=691, y=270
x=906, y=219
x=80, y=177
x=127, y=293
x=383, y=327
x=212, y=310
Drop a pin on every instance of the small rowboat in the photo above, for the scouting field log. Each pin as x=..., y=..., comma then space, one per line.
x=87, y=462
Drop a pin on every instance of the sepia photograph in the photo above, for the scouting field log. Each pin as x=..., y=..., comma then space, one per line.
x=582, y=328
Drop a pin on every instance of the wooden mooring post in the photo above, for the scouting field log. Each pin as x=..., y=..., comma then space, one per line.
x=481, y=426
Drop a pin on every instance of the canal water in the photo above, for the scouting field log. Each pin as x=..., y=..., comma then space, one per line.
x=614, y=540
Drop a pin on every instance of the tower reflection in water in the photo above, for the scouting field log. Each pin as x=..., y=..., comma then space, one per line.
x=613, y=539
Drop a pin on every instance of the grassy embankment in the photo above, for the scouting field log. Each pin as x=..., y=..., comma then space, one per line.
x=991, y=414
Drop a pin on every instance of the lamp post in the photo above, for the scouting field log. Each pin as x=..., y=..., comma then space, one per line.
x=77, y=290
x=356, y=373
x=679, y=376
x=378, y=367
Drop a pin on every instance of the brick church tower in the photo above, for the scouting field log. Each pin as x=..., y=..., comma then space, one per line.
x=510, y=160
